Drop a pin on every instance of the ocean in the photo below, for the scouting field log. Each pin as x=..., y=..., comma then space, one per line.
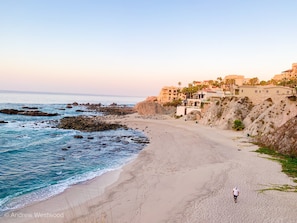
x=38, y=160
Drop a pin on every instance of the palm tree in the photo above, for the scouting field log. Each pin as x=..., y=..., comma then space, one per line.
x=254, y=81
x=220, y=80
x=179, y=84
x=179, y=89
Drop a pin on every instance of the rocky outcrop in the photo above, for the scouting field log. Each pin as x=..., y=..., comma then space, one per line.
x=112, y=109
x=26, y=112
x=149, y=107
x=194, y=115
x=257, y=110
x=268, y=116
x=271, y=124
x=224, y=112
x=283, y=139
x=89, y=124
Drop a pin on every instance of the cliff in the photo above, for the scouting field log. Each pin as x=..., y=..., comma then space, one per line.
x=283, y=139
x=223, y=113
x=149, y=107
x=271, y=124
x=266, y=117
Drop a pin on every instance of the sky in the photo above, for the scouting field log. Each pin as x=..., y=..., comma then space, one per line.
x=135, y=47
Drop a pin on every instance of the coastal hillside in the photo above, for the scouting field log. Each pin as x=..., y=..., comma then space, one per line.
x=223, y=113
x=150, y=107
x=283, y=139
x=271, y=124
x=268, y=116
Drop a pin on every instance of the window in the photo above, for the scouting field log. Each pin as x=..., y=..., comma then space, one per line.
x=256, y=91
x=277, y=91
x=267, y=91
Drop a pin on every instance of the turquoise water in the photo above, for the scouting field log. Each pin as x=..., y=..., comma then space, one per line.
x=38, y=160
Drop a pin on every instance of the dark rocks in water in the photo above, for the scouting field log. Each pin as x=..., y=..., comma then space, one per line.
x=80, y=110
x=3, y=122
x=90, y=137
x=141, y=140
x=27, y=113
x=78, y=136
x=75, y=104
x=64, y=149
x=113, y=109
x=69, y=106
x=31, y=108
x=10, y=111
x=89, y=124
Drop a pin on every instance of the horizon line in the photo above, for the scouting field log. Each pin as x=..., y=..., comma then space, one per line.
x=64, y=93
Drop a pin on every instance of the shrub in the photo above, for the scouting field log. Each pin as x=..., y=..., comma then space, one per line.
x=174, y=103
x=238, y=125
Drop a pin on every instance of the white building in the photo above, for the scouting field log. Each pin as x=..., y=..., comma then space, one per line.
x=199, y=98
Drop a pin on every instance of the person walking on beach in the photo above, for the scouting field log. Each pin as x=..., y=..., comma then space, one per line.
x=235, y=194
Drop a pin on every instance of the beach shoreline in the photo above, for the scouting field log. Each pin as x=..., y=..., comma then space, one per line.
x=185, y=174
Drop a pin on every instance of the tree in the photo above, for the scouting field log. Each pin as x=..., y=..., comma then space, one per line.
x=190, y=90
x=218, y=82
x=211, y=83
x=230, y=83
x=254, y=81
x=219, y=79
x=178, y=90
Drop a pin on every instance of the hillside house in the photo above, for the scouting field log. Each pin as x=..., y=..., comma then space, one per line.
x=260, y=93
x=169, y=94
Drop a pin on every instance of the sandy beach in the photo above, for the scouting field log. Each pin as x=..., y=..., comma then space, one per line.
x=186, y=174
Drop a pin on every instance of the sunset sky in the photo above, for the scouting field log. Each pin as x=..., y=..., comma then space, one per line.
x=135, y=47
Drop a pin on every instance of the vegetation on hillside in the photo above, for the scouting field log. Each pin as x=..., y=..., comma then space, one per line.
x=238, y=125
x=229, y=84
x=174, y=103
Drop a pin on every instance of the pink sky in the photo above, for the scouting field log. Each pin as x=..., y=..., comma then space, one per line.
x=137, y=47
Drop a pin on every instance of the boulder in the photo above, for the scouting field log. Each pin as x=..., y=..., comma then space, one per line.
x=153, y=108
x=25, y=112
x=89, y=124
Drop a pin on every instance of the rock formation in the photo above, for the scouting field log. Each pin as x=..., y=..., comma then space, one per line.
x=149, y=107
x=266, y=117
x=283, y=139
x=89, y=124
x=112, y=109
x=223, y=113
x=26, y=112
x=271, y=124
